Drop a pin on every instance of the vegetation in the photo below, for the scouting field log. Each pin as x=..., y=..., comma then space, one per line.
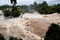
x=53, y=32
x=44, y=8
x=14, y=13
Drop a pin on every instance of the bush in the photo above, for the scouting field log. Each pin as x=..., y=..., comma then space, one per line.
x=7, y=13
x=53, y=32
x=44, y=8
x=15, y=12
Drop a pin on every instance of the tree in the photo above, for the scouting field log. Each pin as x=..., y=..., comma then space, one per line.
x=42, y=8
x=58, y=8
x=14, y=12
x=35, y=5
x=53, y=32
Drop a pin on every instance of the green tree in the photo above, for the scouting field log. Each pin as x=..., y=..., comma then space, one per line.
x=58, y=8
x=42, y=8
x=35, y=5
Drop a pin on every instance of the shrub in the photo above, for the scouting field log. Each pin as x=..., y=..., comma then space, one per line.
x=7, y=13
x=44, y=8
x=15, y=12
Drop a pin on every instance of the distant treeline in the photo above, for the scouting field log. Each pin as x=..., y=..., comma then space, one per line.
x=42, y=8
x=24, y=7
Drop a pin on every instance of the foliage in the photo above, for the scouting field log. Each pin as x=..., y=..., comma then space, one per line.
x=53, y=32
x=15, y=12
x=44, y=8
x=7, y=13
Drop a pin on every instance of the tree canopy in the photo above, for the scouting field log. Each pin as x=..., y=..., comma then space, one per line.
x=44, y=8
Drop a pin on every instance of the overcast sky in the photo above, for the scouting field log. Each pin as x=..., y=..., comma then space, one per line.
x=27, y=2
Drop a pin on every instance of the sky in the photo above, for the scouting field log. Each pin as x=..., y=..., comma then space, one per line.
x=27, y=2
